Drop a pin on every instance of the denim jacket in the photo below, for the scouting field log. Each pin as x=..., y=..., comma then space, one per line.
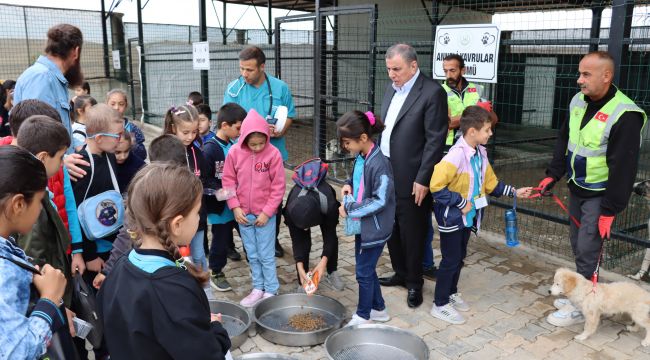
x=45, y=81
x=22, y=337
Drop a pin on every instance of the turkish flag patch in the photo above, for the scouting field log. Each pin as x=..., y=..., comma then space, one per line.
x=601, y=116
x=471, y=90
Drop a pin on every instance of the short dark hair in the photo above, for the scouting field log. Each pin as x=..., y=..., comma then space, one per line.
x=22, y=173
x=41, y=133
x=196, y=98
x=80, y=103
x=63, y=38
x=26, y=108
x=168, y=148
x=474, y=117
x=461, y=61
x=86, y=86
x=230, y=113
x=252, y=52
x=204, y=109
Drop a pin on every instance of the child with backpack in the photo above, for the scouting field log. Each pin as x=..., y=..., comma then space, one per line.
x=229, y=120
x=117, y=99
x=312, y=202
x=79, y=106
x=24, y=336
x=459, y=185
x=254, y=169
x=152, y=302
x=372, y=192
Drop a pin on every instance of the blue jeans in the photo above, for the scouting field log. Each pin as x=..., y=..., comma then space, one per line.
x=453, y=247
x=259, y=242
x=427, y=262
x=198, y=252
x=369, y=290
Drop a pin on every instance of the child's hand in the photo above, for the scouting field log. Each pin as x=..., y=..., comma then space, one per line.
x=524, y=192
x=467, y=208
x=215, y=317
x=50, y=284
x=95, y=265
x=261, y=220
x=78, y=264
x=70, y=315
x=98, y=280
x=346, y=189
x=342, y=212
x=240, y=217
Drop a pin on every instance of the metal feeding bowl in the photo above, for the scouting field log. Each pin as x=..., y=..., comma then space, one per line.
x=234, y=318
x=375, y=342
x=298, y=319
x=265, y=356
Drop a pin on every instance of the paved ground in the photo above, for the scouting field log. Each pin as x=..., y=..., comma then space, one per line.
x=507, y=290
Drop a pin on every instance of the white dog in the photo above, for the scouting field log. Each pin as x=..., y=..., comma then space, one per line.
x=609, y=299
x=643, y=189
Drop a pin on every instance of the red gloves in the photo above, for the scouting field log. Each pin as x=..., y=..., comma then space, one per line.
x=605, y=226
x=546, y=185
x=487, y=105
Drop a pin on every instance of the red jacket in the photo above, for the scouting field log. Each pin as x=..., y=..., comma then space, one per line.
x=55, y=184
x=6, y=140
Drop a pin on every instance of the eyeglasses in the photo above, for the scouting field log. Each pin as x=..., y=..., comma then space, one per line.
x=115, y=136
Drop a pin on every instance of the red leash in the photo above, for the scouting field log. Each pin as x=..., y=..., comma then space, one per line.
x=557, y=201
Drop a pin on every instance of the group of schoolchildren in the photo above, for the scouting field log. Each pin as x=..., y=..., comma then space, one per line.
x=153, y=302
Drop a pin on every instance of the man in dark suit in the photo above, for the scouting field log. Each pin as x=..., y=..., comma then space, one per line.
x=414, y=110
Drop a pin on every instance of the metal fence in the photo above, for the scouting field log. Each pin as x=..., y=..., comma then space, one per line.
x=339, y=66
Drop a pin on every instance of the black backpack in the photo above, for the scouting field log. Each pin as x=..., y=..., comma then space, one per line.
x=315, y=196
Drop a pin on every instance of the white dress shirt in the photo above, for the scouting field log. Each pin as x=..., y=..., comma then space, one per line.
x=401, y=93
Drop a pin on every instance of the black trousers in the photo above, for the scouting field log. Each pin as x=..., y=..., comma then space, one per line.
x=406, y=244
x=585, y=240
x=301, y=243
x=453, y=247
x=278, y=219
x=221, y=240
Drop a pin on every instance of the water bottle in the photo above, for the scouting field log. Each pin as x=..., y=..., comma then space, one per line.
x=512, y=239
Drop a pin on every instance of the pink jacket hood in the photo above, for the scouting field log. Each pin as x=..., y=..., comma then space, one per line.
x=258, y=178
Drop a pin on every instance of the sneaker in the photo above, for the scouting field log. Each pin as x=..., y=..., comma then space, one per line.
x=358, y=320
x=233, y=255
x=218, y=282
x=458, y=303
x=334, y=279
x=566, y=316
x=253, y=298
x=430, y=272
x=379, y=316
x=560, y=303
x=447, y=313
x=267, y=295
x=209, y=293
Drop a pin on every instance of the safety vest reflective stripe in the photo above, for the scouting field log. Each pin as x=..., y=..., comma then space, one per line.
x=472, y=95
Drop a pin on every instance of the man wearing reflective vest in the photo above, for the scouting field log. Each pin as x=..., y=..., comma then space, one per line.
x=601, y=137
x=460, y=94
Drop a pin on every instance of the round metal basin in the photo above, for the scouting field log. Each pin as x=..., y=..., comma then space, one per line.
x=234, y=318
x=375, y=342
x=265, y=356
x=272, y=317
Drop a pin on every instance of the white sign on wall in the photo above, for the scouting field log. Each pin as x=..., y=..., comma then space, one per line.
x=478, y=45
x=117, y=65
x=201, y=55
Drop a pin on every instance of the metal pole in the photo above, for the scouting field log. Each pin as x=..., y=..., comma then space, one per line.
x=317, y=80
x=29, y=55
x=322, y=139
x=270, y=33
x=224, y=31
x=278, y=50
x=107, y=70
x=596, y=17
x=203, y=35
x=619, y=29
x=335, y=65
x=143, y=69
x=373, y=59
x=131, y=82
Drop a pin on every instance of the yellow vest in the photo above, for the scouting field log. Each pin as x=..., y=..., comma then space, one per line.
x=587, y=148
x=472, y=95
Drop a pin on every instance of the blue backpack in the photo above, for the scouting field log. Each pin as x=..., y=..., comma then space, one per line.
x=103, y=214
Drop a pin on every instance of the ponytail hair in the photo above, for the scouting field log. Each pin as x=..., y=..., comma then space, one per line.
x=158, y=193
x=175, y=115
x=355, y=123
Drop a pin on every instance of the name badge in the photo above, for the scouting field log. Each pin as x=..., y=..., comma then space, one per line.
x=480, y=202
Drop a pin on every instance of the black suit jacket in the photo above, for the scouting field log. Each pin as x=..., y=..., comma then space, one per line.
x=418, y=137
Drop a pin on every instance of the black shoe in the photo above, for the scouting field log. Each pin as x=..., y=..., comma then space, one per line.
x=392, y=281
x=414, y=298
x=233, y=255
x=279, y=251
x=430, y=273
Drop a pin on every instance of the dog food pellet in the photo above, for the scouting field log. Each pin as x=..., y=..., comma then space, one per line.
x=307, y=322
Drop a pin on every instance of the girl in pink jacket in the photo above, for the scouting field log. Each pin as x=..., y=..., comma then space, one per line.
x=254, y=170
